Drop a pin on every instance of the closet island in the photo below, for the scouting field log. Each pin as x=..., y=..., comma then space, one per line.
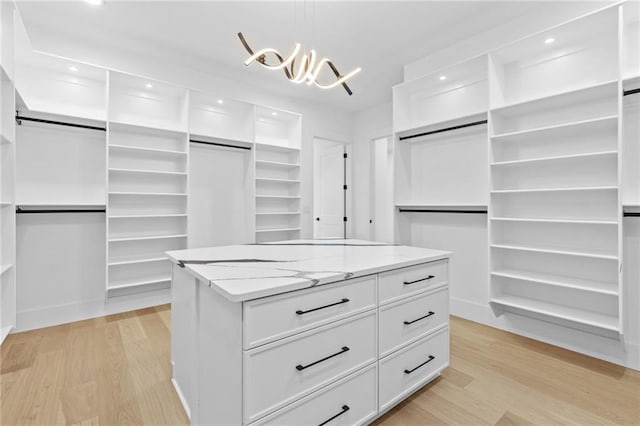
x=306, y=331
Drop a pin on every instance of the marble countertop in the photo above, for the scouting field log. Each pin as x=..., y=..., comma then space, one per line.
x=245, y=272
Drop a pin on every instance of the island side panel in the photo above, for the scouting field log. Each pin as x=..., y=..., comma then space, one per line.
x=219, y=368
x=183, y=337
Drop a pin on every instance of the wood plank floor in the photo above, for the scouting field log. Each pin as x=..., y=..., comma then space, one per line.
x=115, y=370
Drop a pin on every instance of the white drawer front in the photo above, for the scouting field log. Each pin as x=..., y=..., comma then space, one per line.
x=350, y=401
x=281, y=372
x=406, y=370
x=279, y=316
x=408, y=320
x=399, y=283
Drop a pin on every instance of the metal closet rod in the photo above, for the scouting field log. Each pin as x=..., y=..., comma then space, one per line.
x=36, y=211
x=226, y=145
x=442, y=211
x=631, y=92
x=446, y=129
x=631, y=214
x=20, y=119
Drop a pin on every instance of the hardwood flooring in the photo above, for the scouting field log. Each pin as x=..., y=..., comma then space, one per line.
x=116, y=370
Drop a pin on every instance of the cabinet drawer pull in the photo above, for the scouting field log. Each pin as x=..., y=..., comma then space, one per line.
x=345, y=300
x=345, y=408
x=301, y=367
x=421, y=318
x=431, y=358
x=420, y=280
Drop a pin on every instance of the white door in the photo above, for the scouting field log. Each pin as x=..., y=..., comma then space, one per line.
x=218, y=199
x=381, y=191
x=328, y=189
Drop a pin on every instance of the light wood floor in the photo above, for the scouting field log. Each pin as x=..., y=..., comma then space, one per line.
x=115, y=371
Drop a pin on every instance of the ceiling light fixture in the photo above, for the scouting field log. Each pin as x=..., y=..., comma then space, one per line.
x=220, y=101
x=443, y=77
x=549, y=40
x=73, y=68
x=94, y=2
x=149, y=86
x=308, y=67
x=274, y=113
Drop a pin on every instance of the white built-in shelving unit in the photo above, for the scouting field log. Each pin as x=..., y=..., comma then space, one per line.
x=555, y=214
x=277, y=175
x=147, y=181
x=7, y=172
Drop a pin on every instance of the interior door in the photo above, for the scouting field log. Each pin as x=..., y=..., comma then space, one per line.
x=329, y=193
x=218, y=199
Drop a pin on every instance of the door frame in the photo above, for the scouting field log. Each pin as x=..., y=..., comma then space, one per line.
x=372, y=177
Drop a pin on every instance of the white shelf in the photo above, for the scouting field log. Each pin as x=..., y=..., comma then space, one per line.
x=571, y=189
x=148, y=172
x=556, y=158
x=5, y=268
x=151, y=194
x=148, y=150
x=631, y=208
x=610, y=289
x=145, y=216
x=142, y=128
x=60, y=206
x=138, y=261
x=276, y=213
x=570, y=125
x=555, y=251
x=552, y=220
x=595, y=90
x=259, y=231
x=589, y=318
x=267, y=146
x=460, y=207
x=5, y=203
x=265, y=179
x=149, y=238
x=285, y=197
x=139, y=283
x=277, y=164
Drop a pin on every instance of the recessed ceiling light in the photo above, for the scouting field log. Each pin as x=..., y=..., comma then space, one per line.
x=274, y=113
x=443, y=77
x=220, y=101
x=149, y=86
x=73, y=68
x=549, y=40
x=94, y=2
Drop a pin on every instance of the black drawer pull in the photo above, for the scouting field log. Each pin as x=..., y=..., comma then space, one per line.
x=421, y=318
x=301, y=367
x=431, y=358
x=420, y=280
x=345, y=300
x=345, y=408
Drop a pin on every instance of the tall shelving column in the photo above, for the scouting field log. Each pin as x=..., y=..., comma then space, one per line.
x=147, y=167
x=277, y=175
x=555, y=213
x=7, y=173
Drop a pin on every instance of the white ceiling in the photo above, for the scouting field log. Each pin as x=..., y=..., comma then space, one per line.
x=379, y=36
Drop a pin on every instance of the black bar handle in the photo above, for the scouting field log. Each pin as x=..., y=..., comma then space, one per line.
x=301, y=367
x=431, y=358
x=420, y=280
x=421, y=318
x=345, y=408
x=344, y=300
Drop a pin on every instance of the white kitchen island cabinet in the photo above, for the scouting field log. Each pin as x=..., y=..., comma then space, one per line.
x=306, y=332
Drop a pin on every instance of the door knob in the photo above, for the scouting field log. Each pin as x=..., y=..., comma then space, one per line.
x=318, y=219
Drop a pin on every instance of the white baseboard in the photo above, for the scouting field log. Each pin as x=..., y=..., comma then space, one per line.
x=60, y=314
x=553, y=334
x=183, y=401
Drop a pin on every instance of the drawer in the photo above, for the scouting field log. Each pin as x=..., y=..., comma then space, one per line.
x=279, y=316
x=403, y=372
x=350, y=401
x=399, y=283
x=278, y=373
x=410, y=319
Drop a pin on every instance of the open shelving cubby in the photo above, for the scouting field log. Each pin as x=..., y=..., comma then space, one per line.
x=277, y=175
x=7, y=173
x=220, y=117
x=147, y=173
x=554, y=208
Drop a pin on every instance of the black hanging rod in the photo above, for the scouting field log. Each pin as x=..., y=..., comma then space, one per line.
x=631, y=92
x=446, y=129
x=442, y=211
x=20, y=119
x=36, y=211
x=226, y=145
x=631, y=214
